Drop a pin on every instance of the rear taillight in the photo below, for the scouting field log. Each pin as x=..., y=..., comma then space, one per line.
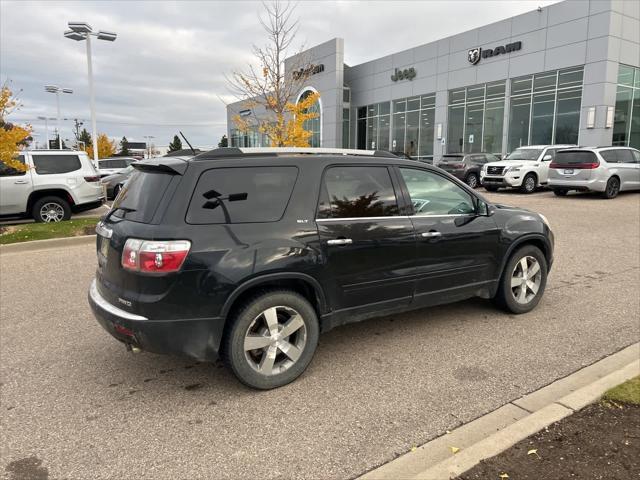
x=577, y=166
x=92, y=179
x=148, y=256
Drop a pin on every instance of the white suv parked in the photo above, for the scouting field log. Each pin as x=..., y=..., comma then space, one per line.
x=56, y=183
x=526, y=168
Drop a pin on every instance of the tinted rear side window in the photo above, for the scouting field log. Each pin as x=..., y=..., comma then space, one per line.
x=140, y=196
x=51, y=164
x=574, y=157
x=242, y=195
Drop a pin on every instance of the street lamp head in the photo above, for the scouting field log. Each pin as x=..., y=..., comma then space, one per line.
x=52, y=88
x=108, y=36
x=67, y=90
x=75, y=35
x=80, y=27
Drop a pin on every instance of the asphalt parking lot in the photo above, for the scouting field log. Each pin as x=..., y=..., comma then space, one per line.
x=75, y=403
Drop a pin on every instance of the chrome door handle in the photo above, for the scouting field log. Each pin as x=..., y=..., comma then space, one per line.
x=340, y=241
x=430, y=234
x=20, y=182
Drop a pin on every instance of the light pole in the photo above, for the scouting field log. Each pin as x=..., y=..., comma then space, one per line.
x=46, y=127
x=148, y=138
x=82, y=31
x=57, y=90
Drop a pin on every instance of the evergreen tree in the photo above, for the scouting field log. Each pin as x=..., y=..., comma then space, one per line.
x=84, y=137
x=224, y=141
x=176, y=144
x=124, y=147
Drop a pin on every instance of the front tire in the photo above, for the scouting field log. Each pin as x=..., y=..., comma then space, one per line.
x=51, y=209
x=272, y=339
x=472, y=180
x=612, y=189
x=529, y=183
x=523, y=280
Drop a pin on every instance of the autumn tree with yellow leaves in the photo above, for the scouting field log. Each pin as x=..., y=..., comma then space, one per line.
x=272, y=90
x=12, y=136
x=106, y=147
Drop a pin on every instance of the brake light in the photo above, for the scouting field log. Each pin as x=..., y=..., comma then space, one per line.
x=148, y=256
x=577, y=166
x=94, y=178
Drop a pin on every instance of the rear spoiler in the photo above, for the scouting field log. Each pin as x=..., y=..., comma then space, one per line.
x=172, y=165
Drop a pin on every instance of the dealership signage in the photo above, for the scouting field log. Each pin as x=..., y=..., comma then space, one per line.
x=475, y=54
x=307, y=72
x=407, y=73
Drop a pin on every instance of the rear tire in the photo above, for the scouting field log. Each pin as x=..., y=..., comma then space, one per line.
x=529, y=183
x=526, y=269
x=560, y=192
x=472, y=180
x=490, y=189
x=274, y=322
x=50, y=209
x=612, y=189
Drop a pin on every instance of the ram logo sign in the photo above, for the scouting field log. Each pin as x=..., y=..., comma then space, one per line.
x=475, y=54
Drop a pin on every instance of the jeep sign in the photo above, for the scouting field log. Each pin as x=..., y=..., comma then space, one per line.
x=407, y=73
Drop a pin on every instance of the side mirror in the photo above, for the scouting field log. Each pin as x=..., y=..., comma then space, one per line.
x=547, y=158
x=484, y=209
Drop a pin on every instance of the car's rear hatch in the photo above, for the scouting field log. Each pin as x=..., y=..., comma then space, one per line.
x=452, y=163
x=138, y=213
x=573, y=165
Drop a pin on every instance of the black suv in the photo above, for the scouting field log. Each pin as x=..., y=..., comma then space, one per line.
x=250, y=254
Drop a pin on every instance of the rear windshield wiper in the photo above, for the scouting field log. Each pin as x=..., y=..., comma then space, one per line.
x=114, y=210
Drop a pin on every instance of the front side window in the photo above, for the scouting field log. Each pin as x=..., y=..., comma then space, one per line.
x=357, y=192
x=524, y=154
x=52, y=164
x=6, y=171
x=242, y=195
x=432, y=194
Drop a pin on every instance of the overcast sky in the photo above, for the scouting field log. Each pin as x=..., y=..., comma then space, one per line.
x=166, y=69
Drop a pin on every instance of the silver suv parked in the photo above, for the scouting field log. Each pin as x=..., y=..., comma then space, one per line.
x=608, y=170
x=56, y=183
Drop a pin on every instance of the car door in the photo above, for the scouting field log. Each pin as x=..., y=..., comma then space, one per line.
x=457, y=249
x=545, y=160
x=15, y=188
x=628, y=169
x=368, y=247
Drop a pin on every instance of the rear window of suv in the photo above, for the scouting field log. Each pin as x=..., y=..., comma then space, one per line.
x=571, y=157
x=242, y=195
x=141, y=195
x=52, y=164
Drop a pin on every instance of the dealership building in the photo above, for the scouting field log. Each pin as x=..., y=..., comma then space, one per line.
x=566, y=73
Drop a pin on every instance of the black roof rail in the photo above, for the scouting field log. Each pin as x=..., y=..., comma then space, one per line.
x=274, y=151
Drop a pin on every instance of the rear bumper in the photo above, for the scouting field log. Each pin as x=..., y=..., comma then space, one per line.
x=594, y=185
x=195, y=338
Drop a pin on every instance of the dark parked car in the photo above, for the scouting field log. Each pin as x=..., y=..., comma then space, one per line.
x=113, y=183
x=466, y=167
x=250, y=254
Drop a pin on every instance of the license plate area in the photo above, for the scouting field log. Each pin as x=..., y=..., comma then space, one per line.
x=568, y=171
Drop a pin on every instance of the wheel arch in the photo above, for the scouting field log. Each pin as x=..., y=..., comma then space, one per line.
x=537, y=240
x=301, y=283
x=53, y=192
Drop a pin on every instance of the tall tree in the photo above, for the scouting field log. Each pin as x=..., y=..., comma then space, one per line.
x=124, y=147
x=84, y=140
x=12, y=136
x=269, y=88
x=106, y=147
x=176, y=144
x=224, y=141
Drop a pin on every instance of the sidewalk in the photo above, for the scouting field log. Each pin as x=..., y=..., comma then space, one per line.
x=460, y=450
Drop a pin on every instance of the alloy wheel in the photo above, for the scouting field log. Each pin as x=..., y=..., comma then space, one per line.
x=525, y=280
x=51, y=212
x=529, y=184
x=275, y=340
x=612, y=187
x=472, y=181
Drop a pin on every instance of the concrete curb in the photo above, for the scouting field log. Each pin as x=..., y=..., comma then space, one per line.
x=34, y=245
x=496, y=431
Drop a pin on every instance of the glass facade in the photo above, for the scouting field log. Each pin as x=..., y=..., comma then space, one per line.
x=313, y=125
x=373, y=126
x=626, y=123
x=545, y=108
x=346, y=126
x=249, y=138
x=476, y=117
